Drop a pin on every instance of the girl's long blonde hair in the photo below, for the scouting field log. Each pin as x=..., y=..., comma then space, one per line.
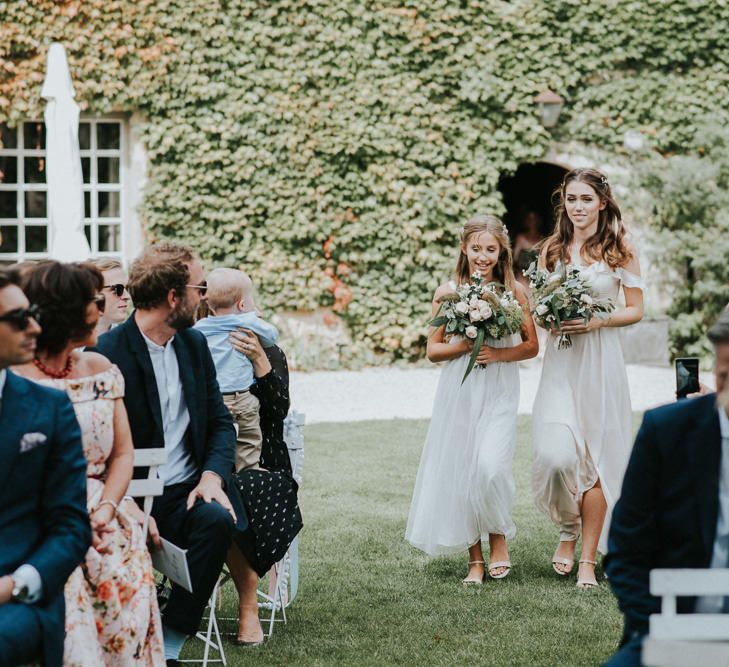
x=503, y=271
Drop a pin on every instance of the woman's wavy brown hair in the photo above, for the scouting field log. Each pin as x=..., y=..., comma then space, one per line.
x=503, y=271
x=608, y=242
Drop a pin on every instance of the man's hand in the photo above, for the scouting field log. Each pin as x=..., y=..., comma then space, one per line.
x=210, y=488
x=6, y=589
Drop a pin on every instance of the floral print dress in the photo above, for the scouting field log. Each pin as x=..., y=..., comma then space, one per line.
x=112, y=617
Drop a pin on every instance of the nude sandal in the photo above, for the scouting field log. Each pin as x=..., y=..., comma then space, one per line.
x=559, y=560
x=496, y=565
x=474, y=582
x=584, y=584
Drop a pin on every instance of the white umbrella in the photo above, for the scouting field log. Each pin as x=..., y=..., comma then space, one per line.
x=63, y=161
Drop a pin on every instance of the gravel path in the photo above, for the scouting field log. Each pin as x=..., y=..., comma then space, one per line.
x=395, y=393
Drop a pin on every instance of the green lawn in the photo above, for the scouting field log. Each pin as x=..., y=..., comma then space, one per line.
x=368, y=597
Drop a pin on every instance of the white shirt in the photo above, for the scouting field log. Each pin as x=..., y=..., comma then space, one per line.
x=180, y=465
x=3, y=374
x=712, y=604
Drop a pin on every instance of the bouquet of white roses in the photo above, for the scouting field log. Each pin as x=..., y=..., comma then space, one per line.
x=476, y=310
x=561, y=295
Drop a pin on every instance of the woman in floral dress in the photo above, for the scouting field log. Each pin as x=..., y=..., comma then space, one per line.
x=112, y=617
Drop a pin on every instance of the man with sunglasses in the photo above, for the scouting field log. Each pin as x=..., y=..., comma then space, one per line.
x=173, y=401
x=44, y=525
x=115, y=293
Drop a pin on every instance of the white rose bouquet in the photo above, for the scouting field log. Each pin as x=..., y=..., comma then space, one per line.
x=476, y=310
x=561, y=295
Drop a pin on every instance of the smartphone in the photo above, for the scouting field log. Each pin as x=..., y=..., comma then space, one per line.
x=687, y=376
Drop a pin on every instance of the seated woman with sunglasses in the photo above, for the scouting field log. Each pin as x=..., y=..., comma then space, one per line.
x=112, y=617
x=115, y=293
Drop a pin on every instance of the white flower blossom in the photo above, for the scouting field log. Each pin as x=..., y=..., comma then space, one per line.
x=475, y=315
x=542, y=309
x=485, y=310
x=462, y=307
x=586, y=298
x=471, y=332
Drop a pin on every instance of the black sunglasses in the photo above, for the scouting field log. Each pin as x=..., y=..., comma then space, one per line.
x=100, y=301
x=117, y=289
x=20, y=317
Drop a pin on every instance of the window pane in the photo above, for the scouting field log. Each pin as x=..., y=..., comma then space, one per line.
x=84, y=136
x=87, y=204
x=8, y=169
x=8, y=204
x=86, y=169
x=35, y=169
x=8, y=136
x=34, y=135
x=8, y=239
x=109, y=238
x=36, y=238
x=107, y=170
x=108, y=204
x=87, y=231
x=35, y=204
x=107, y=136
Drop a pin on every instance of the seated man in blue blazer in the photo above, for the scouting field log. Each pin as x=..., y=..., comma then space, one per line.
x=173, y=401
x=673, y=511
x=44, y=525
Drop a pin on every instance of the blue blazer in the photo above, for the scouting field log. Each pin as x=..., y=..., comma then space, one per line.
x=667, y=512
x=43, y=516
x=210, y=435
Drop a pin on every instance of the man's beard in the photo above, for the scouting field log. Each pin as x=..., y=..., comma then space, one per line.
x=182, y=317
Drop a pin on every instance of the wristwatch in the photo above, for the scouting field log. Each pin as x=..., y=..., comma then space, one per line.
x=20, y=589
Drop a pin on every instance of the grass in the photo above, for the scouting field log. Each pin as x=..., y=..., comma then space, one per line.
x=366, y=597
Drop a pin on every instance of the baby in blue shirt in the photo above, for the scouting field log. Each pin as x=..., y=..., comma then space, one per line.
x=230, y=298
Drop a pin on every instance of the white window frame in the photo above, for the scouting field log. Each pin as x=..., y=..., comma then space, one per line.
x=93, y=220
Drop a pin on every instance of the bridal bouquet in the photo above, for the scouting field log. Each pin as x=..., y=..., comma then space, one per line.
x=561, y=295
x=476, y=310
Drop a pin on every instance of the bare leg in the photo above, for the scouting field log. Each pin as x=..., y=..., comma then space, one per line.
x=594, y=508
x=498, y=551
x=476, y=565
x=246, y=581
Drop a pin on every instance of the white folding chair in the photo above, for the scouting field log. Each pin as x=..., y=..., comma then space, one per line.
x=687, y=640
x=151, y=486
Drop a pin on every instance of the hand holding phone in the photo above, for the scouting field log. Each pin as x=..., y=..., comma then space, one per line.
x=687, y=376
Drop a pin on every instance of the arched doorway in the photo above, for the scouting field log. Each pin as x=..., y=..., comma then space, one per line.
x=527, y=195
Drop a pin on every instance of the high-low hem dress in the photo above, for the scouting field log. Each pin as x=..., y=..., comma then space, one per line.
x=465, y=488
x=582, y=416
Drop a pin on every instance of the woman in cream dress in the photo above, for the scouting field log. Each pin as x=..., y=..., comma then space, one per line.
x=582, y=415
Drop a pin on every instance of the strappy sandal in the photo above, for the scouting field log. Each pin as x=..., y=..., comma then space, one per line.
x=496, y=565
x=584, y=584
x=569, y=563
x=474, y=582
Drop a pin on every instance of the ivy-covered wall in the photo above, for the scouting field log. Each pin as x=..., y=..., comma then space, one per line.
x=334, y=147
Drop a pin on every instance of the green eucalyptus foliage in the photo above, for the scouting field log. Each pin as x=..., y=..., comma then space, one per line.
x=334, y=147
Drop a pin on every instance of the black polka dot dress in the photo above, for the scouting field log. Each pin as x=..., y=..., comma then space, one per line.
x=270, y=496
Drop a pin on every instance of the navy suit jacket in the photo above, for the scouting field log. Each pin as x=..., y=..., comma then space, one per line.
x=210, y=436
x=43, y=516
x=667, y=512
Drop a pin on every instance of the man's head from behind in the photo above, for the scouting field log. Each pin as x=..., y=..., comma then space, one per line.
x=167, y=277
x=719, y=336
x=18, y=328
x=230, y=291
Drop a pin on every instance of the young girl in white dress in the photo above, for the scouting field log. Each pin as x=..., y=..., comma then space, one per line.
x=464, y=491
x=582, y=414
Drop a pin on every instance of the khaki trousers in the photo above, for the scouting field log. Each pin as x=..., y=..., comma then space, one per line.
x=244, y=407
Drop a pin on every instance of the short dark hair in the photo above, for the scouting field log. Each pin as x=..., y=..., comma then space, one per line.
x=160, y=268
x=719, y=332
x=62, y=292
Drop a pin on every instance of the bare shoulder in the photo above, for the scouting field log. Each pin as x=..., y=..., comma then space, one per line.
x=442, y=290
x=92, y=362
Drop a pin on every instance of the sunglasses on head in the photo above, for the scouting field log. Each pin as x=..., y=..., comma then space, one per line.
x=117, y=289
x=100, y=301
x=20, y=317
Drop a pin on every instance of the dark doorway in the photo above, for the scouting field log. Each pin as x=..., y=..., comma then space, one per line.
x=529, y=213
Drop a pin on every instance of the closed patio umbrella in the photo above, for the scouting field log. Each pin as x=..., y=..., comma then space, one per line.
x=63, y=161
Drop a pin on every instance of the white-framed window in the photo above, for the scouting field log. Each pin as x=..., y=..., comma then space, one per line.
x=24, y=232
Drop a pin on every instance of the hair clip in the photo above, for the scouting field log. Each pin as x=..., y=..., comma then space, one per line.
x=504, y=228
x=603, y=180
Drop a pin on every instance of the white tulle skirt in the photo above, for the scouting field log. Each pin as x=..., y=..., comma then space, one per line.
x=465, y=489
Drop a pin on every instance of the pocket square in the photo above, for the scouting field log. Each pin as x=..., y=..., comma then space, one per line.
x=31, y=440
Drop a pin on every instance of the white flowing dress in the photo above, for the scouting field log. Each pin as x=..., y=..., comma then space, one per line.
x=582, y=418
x=465, y=488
